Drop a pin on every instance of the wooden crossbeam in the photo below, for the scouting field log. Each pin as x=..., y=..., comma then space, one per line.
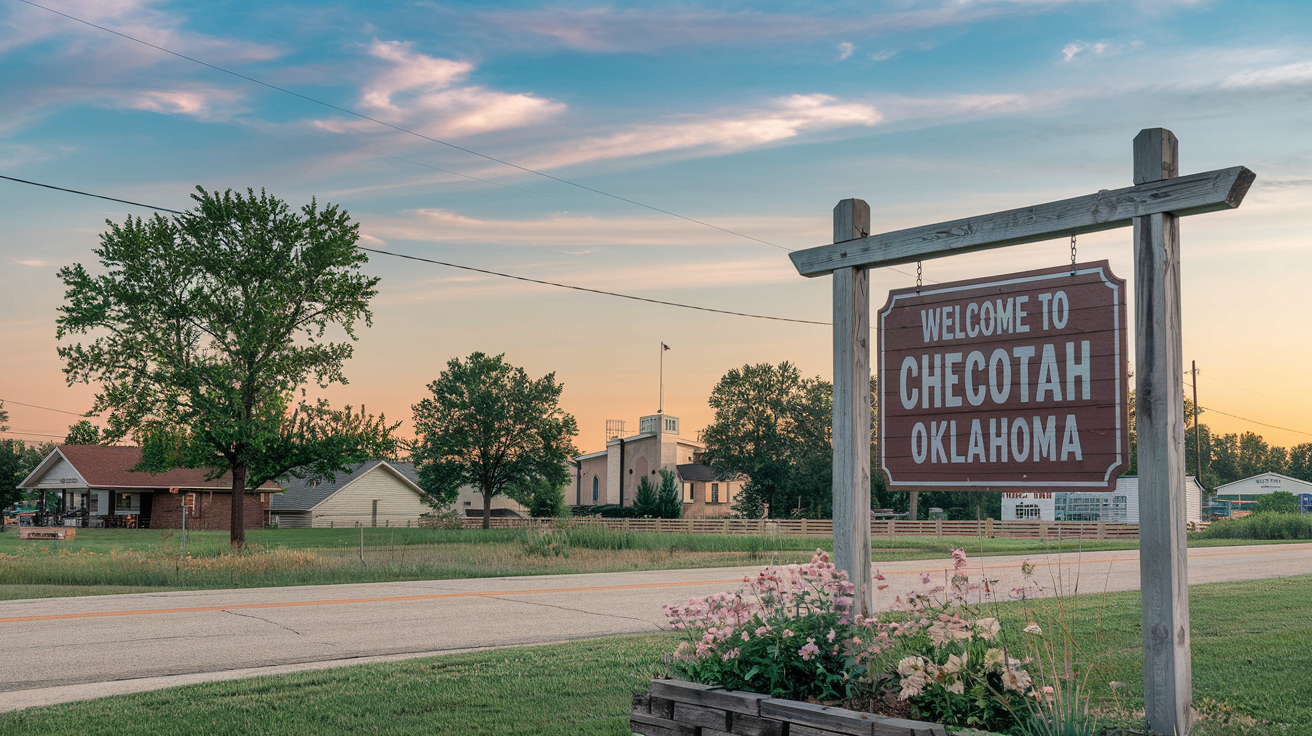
x=1210, y=191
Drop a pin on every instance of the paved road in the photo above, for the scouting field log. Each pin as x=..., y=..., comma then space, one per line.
x=64, y=649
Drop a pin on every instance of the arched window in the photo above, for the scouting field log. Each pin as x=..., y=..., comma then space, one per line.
x=596, y=489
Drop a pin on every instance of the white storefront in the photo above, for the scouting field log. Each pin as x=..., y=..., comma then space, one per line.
x=1118, y=506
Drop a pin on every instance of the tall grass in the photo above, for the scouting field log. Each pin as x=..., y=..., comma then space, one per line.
x=1265, y=525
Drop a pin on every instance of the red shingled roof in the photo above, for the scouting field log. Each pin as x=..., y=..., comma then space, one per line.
x=111, y=467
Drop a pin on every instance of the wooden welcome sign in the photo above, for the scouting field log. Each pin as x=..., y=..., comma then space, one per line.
x=1008, y=382
x=947, y=398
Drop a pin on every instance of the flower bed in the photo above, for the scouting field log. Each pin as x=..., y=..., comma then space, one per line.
x=787, y=648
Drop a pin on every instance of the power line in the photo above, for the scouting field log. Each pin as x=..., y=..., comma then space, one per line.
x=34, y=406
x=1254, y=421
x=87, y=194
x=593, y=291
x=471, y=268
x=398, y=128
x=467, y=176
x=32, y=434
x=1249, y=390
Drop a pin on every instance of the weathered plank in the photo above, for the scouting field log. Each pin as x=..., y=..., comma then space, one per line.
x=655, y=726
x=851, y=414
x=837, y=720
x=1159, y=377
x=697, y=715
x=1186, y=195
x=707, y=695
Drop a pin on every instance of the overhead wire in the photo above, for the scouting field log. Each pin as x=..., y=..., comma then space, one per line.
x=468, y=268
x=34, y=406
x=398, y=128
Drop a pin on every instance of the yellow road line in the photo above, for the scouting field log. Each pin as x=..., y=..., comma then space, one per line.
x=1257, y=549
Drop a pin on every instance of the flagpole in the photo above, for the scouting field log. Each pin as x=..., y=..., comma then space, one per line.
x=662, y=380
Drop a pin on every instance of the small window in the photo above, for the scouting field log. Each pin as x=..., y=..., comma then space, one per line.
x=687, y=493
x=596, y=489
x=715, y=493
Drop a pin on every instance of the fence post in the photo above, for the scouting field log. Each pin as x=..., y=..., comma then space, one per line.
x=626, y=524
x=1043, y=530
x=1102, y=530
x=988, y=527
x=804, y=526
x=938, y=527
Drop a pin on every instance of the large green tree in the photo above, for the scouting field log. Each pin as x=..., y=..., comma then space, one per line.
x=774, y=426
x=489, y=425
x=207, y=324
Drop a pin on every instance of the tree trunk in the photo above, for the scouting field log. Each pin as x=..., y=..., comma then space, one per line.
x=237, y=525
x=487, y=510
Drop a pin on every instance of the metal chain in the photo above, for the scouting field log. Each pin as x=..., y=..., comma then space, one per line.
x=1072, y=254
x=918, y=277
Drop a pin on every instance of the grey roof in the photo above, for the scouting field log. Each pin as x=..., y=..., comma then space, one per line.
x=696, y=472
x=304, y=494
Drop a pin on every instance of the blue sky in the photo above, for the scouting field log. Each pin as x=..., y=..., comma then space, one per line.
x=754, y=117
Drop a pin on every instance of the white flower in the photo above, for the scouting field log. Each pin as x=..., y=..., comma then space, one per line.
x=1034, y=629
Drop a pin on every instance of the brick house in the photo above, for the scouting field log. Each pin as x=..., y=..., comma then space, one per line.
x=98, y=487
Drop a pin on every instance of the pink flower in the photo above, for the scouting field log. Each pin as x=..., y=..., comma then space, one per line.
x=731, y=654
x=787, y=633
x=809, y=650
x=831, y=635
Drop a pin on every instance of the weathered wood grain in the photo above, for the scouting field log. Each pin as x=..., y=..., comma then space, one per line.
x=1159, y=377
x=851, y=415
x=1108, y=209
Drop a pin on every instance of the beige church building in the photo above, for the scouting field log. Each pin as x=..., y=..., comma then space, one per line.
x=610, y=476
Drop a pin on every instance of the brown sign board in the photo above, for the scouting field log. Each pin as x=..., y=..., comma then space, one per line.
x=1011, y=382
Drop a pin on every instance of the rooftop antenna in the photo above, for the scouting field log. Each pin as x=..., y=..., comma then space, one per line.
x=664, y=347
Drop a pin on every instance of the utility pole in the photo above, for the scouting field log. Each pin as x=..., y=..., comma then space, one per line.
x=1198, y=435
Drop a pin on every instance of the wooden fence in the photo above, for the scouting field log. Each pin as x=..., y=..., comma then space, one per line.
x=825, y=527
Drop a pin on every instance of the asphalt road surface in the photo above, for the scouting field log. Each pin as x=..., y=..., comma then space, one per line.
x=65, y=649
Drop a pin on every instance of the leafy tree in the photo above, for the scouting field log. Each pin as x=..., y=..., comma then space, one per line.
x=1300, y=462
x=542, y=498
x=487, y=424
x=1280, y=502
x=207, y=324
x=773, y=426
x=4, y=417
x=84, y=433
x=11, y=472
x=646, y=501
x=669, y=501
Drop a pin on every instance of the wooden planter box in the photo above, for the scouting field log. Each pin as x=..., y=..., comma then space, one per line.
x=678, y=708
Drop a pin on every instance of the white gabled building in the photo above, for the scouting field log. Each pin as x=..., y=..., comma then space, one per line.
x=1118, y=506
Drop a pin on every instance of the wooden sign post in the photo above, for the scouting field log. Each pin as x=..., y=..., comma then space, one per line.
x=1153, y=207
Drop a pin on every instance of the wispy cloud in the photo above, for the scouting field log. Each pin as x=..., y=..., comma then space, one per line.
x=884, y=55
x=782, y=119
x=1284, y=75
x=34, y=262
x=845, y=50
x=609, y=29
x=425, y=92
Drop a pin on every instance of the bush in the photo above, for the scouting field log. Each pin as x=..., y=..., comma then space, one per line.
x=1265, y=525
x=541, y=498
x=645, y=503
x=1281, y=502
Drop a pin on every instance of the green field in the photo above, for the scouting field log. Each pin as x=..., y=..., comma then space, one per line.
x=1252, y=646
x=100, y=561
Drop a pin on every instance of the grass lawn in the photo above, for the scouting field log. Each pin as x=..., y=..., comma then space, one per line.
x=100, y=561
x=1252, y=647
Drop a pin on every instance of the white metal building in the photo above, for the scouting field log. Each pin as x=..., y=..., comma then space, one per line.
x=1120, y=505
x=1260, y=485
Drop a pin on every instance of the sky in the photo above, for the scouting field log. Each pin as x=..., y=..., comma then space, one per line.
x=754, y=119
